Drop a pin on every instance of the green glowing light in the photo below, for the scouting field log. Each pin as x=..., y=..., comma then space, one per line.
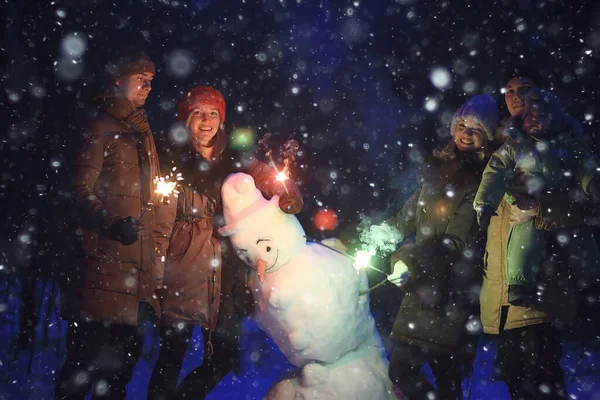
x=242, y=139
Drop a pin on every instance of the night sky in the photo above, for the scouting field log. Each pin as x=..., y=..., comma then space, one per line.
x=367, y=88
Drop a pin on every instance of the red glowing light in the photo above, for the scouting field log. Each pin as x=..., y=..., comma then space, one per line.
x=325, y=219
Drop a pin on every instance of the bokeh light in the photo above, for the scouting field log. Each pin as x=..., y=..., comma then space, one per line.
x=325, y=220
x=441, y=78
x=242, y=139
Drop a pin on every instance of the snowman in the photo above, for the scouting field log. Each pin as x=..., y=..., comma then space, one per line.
x=308, y=300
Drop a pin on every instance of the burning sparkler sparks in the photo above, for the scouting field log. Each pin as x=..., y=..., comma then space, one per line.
x=288, y=151
x=382, y=239
x=281, y=176
x=362, y=260
x=167, y=185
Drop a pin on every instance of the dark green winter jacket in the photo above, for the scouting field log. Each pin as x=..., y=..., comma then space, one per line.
x=445, y=260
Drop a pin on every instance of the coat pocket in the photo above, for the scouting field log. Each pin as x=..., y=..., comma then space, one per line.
x=105, y=257
x=180, y=241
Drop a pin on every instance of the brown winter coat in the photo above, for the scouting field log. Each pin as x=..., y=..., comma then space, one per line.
x=108, y=185
x=438, y=303
x=198, y=277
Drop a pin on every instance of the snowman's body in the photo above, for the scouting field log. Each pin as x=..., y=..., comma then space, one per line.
x=312, y=310
x=311, y=307
x=308, y=301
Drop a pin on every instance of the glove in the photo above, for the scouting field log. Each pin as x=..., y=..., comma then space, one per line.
x=291, y=203
x=400, y=275
x=125, y=230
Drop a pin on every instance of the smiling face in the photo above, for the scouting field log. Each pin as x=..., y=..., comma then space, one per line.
x=514, y=91
x=250, y=251
x=469, y=135
x=203, y=122
x=262, y=254
x=135, y=87
x=269, y=241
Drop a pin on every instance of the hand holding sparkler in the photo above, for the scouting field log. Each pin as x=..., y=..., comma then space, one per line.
x=400, y=275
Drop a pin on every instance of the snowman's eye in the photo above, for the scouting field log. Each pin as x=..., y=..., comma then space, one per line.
x=268, y=248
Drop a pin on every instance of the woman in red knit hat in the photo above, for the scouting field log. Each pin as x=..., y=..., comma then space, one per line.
x=198, y=282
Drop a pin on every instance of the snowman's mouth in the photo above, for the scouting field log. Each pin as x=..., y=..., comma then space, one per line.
x=274, y=262
x=261, y=267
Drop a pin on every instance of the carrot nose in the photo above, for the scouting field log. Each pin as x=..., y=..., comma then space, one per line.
x=261, y=267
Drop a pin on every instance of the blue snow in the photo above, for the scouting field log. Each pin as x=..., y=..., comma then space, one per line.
x=31, y=373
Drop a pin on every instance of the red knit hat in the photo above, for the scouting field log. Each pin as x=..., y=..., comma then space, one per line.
x=197, y=95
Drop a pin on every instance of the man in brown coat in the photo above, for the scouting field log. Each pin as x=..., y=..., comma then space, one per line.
x=114, y=171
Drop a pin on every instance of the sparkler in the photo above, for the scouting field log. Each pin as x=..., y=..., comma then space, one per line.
x=288, y=151
x=362, y=258
x=165, y=186
x=281, y=176
x=361, y=261
x=383, y=238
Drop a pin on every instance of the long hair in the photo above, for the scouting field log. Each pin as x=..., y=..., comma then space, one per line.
x=448, y=152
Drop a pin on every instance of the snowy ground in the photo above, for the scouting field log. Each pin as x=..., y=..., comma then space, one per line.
x=31, y=375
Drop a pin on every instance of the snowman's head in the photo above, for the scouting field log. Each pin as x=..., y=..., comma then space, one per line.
x=264, y=237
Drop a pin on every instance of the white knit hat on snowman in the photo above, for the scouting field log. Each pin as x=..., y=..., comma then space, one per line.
x=243, y=203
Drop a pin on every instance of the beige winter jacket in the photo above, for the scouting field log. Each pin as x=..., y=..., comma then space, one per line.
x=559, y=297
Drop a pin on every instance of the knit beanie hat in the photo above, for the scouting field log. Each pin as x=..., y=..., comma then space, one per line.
x=200, y=95
x=129, y=61
x=482, y=109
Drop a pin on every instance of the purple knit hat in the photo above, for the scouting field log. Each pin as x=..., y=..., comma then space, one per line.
x=483, y=110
